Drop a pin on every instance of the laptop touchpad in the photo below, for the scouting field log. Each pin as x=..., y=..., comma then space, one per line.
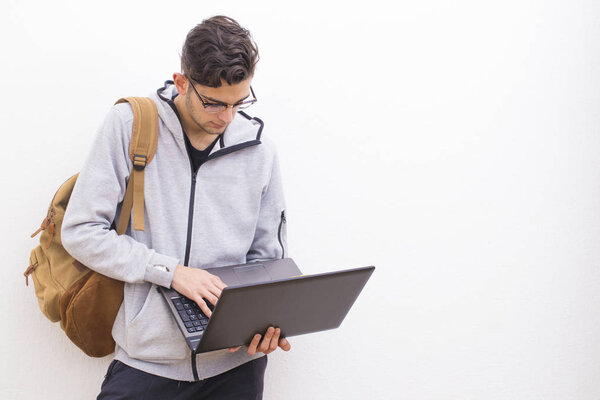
x=252, y=274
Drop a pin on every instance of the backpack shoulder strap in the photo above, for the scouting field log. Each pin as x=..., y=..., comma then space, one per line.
x=142, y=148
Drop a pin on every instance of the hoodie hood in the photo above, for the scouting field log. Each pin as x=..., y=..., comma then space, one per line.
x=242, y=132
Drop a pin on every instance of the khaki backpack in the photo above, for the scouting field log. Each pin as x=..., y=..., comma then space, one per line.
x=86, y=302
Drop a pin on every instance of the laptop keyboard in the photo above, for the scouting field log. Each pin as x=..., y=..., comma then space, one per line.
x=193, y=318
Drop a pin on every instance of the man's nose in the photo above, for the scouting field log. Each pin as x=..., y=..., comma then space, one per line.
x=227, y=115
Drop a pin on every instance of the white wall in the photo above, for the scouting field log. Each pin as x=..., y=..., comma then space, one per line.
x=454, y=145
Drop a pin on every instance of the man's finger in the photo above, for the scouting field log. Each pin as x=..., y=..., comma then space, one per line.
x=253, y=344
x=219, y=284
x=234, y=349
x=284, y=344
x=266, y=342
x=213, y=290
x=202, y=304
x=212, y=298
x=274, y=341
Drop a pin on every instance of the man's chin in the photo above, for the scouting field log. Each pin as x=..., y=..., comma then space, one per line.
x=214, y=130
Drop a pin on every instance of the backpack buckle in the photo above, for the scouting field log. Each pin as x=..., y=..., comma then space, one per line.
x=139, y=162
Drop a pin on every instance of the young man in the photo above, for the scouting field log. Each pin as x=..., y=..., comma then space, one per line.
x=213, y=197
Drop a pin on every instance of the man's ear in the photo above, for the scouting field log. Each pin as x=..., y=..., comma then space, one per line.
x=181, y=83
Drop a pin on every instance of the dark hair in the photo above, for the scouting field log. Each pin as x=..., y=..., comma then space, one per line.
x=219, y=48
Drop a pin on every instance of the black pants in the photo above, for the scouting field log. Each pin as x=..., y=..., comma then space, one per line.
x=123, y=382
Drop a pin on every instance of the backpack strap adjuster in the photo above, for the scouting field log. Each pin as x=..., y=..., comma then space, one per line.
x=139, y=162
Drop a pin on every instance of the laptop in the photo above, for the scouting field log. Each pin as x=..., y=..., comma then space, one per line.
x=263, y=294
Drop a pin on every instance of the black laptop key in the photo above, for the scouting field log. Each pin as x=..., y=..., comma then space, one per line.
x=178, y=304
x=184, y=316
x=191, y=314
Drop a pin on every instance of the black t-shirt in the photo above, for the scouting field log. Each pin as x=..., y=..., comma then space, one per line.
x=197, y=156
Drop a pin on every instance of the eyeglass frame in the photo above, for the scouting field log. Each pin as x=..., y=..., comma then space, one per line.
x=220, y=103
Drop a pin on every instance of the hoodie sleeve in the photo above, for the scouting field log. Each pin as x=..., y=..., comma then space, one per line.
x=93, y=206
x=270, y=238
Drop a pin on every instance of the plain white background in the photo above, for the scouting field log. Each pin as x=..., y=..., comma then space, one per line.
x=453, y=145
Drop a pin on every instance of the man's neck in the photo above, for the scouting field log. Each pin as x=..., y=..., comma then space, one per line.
x=199, y=138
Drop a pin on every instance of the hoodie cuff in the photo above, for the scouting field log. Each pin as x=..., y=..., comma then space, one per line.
x=160, y=270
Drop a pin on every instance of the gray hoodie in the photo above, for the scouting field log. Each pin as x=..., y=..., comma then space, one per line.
x=231, y=212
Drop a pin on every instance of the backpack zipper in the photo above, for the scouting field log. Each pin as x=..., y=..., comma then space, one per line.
x=48, y=223
x=29, y=271
x=49, y=220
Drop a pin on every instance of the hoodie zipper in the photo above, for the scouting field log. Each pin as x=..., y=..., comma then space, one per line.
x=223, y=151
x=188, y=242
x=188, y=246
x=281, y=222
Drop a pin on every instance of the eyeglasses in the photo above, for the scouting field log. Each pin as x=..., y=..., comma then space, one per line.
x=217, y=107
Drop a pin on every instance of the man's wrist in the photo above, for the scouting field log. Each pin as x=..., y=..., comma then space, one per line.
x=176, y=275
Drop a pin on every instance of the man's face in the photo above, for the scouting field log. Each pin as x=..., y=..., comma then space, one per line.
x=215, y=124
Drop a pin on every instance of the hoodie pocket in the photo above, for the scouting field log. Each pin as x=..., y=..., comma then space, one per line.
x=281, y=232
x=153, y=335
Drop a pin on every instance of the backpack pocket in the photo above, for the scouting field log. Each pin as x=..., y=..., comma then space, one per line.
x=47, y=291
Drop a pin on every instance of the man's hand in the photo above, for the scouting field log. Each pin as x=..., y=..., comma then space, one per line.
x=268, y=345
x=197, y=284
